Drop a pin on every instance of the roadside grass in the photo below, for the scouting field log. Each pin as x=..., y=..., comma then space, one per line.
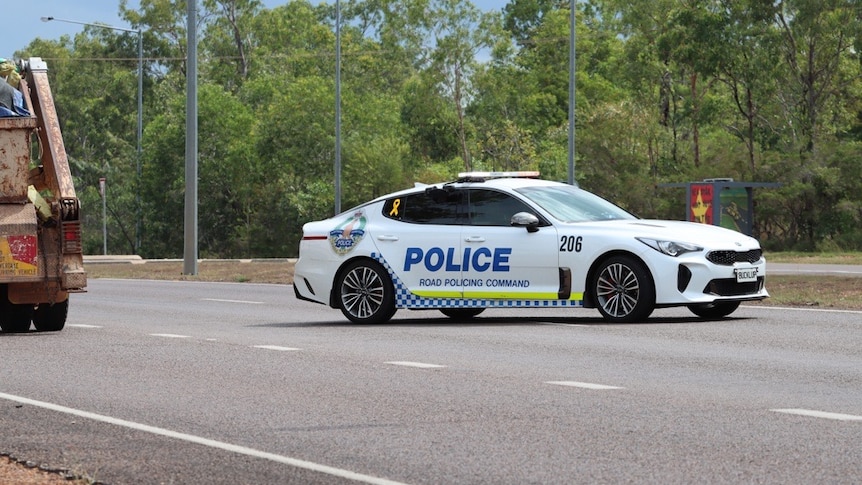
x=276, y=272
x=813, y=258
x=816, y=291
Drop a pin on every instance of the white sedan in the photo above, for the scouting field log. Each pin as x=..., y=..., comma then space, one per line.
x=512, y=240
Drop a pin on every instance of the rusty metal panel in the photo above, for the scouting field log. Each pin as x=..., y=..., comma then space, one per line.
x=17, y=219
x=74, y=280
x=14, y=158
x=37, y=292
x=54, y=157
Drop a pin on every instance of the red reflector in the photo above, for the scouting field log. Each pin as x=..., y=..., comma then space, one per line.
x=314, y=238
x=72, y=237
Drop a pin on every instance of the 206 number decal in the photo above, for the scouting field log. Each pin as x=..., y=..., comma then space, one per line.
x=571, y=244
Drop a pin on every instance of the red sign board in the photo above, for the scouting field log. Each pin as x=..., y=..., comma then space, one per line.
x=701, y=203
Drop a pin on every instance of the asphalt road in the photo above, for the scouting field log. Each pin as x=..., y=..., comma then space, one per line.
x=814, y=269
x=188, y=382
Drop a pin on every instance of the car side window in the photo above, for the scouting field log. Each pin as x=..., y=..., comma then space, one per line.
x=432, y=206
x=492, y=208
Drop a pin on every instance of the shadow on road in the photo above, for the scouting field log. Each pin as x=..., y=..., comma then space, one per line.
x=491, y=321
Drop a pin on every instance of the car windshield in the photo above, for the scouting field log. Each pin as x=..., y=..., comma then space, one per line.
x=570, y=204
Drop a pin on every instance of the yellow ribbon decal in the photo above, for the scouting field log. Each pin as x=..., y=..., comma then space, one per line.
x=395, y=204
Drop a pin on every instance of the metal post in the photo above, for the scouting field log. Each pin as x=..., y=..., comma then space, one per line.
x=103, y=192
x=138, y=209
x=572, y=4
x=190, y=258
x=337, y=107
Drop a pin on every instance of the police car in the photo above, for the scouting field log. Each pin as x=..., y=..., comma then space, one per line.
x=512, y=240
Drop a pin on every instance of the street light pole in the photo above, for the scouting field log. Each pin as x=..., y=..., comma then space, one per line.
x=140, y=131
x=337, y=107
x=572, y=5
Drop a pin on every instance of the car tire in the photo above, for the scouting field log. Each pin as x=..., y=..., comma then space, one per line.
x=714, y=310
x=461, y=313
x=623, y=290
x=51, y=318
x=365, y=293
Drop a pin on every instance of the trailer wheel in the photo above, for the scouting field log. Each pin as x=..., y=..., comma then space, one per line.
x=51, y=318
x=14, y=318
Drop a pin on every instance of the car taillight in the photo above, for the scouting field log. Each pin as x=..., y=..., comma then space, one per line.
x=71, y=231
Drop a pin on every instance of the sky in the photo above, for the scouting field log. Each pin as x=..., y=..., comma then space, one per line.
x=22, y=22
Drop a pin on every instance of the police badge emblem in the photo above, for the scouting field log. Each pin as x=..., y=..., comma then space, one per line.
x=347, y=235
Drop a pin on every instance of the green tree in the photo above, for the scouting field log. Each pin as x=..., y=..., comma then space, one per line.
x=819, y=40
x=228, y=38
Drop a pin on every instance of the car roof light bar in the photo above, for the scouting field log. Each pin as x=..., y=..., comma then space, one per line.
x=482, y=176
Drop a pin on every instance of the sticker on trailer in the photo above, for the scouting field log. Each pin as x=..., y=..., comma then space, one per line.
x=18, y=255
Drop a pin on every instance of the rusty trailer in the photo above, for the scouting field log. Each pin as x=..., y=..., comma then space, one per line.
x=41, y=259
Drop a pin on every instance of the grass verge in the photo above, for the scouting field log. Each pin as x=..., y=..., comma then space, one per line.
x=276, y=272
x=814, y=258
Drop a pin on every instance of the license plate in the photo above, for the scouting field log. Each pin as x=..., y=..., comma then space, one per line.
x=746, y=275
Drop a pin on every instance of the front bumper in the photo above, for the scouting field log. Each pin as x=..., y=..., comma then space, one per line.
x=700, y=281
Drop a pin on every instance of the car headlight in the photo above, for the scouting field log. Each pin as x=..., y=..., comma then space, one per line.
x=671, y=248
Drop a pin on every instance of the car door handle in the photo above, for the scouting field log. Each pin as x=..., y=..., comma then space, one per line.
x=387, y=237
x=474, y=239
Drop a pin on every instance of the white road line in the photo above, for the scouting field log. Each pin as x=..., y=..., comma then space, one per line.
x=242, y=450
x=168, y=335
x=565, y=324
x=797, y=309
x=274, y=347
x=250, y=302
x=82, y=325
x=419, y=365
x=819, y=414
x=814, y=271
x=584, y=385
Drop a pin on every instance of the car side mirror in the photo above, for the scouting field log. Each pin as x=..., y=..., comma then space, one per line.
x=527, y=220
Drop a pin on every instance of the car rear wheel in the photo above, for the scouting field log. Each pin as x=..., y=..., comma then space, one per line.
x=624, y=291
x=461, y=313
x=717, y=309
x=51, y=318
x=365, y=293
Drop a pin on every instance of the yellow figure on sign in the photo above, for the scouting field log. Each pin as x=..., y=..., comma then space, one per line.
x=699, y=209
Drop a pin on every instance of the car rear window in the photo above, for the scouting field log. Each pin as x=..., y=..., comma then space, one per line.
x=433, y=206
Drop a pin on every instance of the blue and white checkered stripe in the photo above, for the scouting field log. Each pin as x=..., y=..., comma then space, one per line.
x=405, y=299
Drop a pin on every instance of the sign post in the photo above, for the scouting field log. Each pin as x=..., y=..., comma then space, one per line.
x=103, y=193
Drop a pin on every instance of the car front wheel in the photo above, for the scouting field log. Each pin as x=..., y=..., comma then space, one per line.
x=714, y=310
x=624, y=291
x=365, y=293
